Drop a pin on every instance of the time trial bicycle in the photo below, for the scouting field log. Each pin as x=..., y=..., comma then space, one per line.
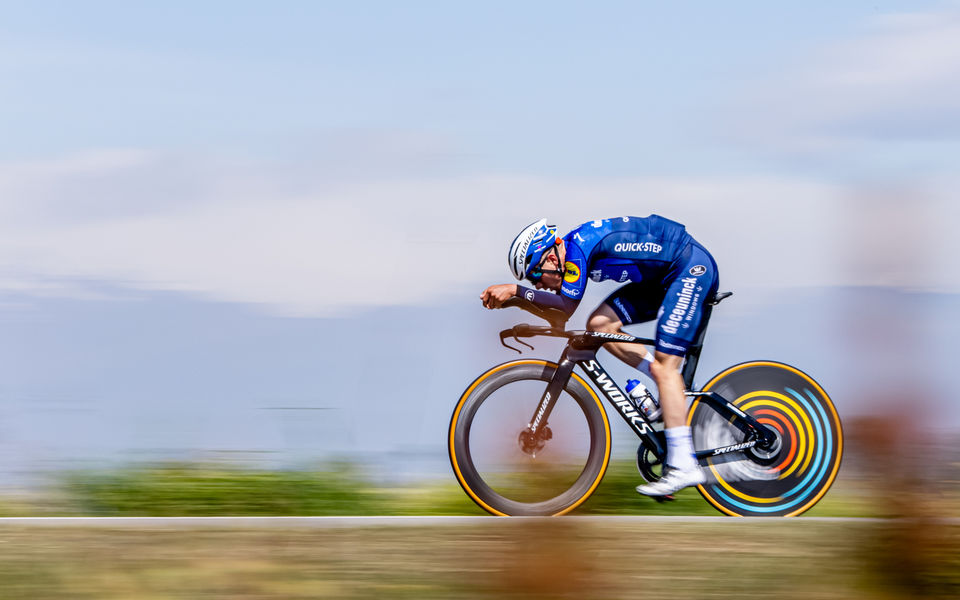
x=532, y=437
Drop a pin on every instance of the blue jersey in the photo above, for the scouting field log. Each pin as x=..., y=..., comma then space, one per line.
x=622, y=249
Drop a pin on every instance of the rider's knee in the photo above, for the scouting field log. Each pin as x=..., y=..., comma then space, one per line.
x=657, y=369
x=664, y=366
x=600, y=322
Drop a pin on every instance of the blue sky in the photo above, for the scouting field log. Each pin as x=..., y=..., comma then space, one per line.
x=560, y=88
x=183, y=181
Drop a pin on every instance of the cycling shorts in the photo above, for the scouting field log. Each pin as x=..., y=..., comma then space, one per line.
x=677, y=302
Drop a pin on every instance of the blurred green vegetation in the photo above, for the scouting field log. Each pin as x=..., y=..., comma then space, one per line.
x=201, y=489
x=189, y=489
x=343, y=488
x=617, y=494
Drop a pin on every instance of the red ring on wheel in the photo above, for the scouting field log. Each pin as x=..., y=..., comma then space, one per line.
x=792, y=438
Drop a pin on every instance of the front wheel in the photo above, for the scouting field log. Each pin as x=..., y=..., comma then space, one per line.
x=792, y=474
x=504, y=469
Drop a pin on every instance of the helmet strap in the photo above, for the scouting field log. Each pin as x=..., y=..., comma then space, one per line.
x=552, y=271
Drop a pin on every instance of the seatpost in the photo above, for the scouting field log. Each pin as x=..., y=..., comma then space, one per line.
x=693, y=353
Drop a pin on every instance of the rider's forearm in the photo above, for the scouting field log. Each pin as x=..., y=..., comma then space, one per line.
x=548, y=299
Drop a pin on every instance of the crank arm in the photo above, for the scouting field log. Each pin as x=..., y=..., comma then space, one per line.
x=704, y=454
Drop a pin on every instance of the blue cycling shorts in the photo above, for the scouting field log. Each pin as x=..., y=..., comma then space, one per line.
x=677, y=302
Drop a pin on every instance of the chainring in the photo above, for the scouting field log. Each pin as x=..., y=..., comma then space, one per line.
x=649, y=465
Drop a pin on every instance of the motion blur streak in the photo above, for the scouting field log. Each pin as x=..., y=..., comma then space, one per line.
x=503, y=558
x=904, y=460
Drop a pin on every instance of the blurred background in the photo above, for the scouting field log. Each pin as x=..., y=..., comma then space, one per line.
x=248, y=241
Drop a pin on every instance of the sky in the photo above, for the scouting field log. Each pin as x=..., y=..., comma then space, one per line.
x=261, y=231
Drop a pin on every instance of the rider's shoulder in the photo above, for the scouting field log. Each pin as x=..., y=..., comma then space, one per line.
x=602, y=227
x=665, y=221
x=591, y=233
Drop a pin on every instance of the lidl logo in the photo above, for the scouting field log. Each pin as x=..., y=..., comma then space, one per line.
x=572, y=274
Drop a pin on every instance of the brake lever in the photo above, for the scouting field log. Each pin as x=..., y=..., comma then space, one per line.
x=519, y=341
x=503, y=340
x=512, y=332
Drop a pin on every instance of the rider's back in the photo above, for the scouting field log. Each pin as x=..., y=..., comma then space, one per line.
x=623, y=249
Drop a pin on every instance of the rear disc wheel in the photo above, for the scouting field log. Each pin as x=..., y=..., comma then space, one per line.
x=789, y=476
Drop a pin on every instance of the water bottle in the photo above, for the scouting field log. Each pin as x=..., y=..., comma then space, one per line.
x=644, y=400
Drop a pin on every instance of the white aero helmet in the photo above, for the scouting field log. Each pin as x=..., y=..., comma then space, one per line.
x=529, y=246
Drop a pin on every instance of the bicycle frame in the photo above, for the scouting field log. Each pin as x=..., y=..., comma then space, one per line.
x=581, y=351
x=778, y=460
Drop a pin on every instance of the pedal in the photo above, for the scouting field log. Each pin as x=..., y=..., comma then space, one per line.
x=662, y=499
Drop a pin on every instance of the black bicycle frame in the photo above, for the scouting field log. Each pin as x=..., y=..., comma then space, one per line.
x=582, y=350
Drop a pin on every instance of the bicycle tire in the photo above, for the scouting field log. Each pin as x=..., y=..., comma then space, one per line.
x=461, y=452
x=794, y=475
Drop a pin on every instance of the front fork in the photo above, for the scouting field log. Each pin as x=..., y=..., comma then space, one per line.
x=550, y=395
x=535, y=436
x=652, y=439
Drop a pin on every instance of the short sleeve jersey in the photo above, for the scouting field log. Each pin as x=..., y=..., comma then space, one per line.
x=621, y=249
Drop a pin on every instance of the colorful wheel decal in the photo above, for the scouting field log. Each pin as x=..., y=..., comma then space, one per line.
x=790, y=433
x=790, y=402
x=803, y=448
x=798, y=489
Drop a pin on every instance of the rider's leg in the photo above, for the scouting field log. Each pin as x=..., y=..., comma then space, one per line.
x=666, y=372
x=681, y=468
x=628, y=305
x=680, y=321
x=605, y=319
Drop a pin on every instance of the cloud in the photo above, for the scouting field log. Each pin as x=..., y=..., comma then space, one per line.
x=897, y=80
x=291, y=241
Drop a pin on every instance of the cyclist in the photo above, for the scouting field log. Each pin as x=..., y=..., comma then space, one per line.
x=670, y=277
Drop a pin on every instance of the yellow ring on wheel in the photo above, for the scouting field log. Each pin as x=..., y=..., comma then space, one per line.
x=835, y=425
x=749, y=498
x=808, y=455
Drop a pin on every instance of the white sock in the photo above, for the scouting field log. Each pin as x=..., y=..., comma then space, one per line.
x=680, y=448
x=644, y=366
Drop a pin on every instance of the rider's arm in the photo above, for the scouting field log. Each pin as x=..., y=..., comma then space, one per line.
x=548, y=299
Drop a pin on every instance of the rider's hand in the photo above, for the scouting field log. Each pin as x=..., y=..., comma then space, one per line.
x=495, y=295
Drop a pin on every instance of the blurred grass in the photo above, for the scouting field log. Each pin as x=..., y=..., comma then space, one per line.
x=617, y=495
x=341, y=489
x=916, y=555
x=204, y=489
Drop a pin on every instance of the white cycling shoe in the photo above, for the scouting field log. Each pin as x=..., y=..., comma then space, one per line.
x=673, y=480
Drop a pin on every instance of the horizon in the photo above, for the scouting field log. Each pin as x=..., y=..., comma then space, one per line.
x=222, y=224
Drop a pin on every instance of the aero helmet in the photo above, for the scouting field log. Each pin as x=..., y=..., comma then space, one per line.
x=529, y=246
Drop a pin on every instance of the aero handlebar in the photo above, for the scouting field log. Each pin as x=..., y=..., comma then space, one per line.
x=557, y=318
